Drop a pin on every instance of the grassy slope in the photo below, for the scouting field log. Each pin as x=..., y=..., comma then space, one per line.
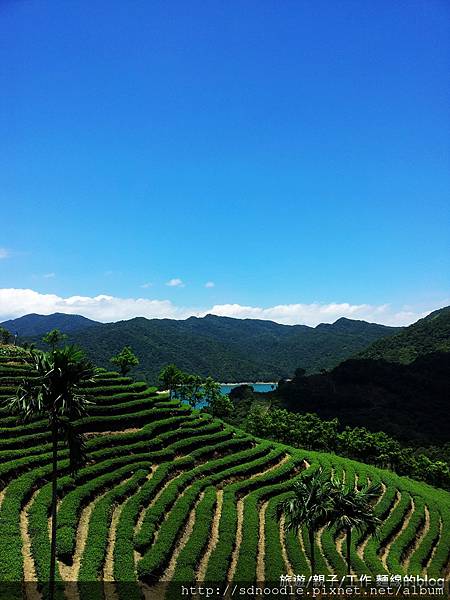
x=251, y=472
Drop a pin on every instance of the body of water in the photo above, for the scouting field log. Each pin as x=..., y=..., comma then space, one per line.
x=260, y=387
x=225, y=388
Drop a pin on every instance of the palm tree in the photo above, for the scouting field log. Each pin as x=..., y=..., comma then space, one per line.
x=353, y=509
x=56, y=393
x=310, y=505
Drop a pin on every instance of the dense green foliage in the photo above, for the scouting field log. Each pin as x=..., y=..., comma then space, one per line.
x=126, y=359
x=5, y=335
x=428, y=335
x=194, y=390
x=307, y=430
x=224, y=348
x=409, y=402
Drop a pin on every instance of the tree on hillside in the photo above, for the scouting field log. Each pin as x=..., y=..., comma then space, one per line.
x=170, y=377
x=56, y=394
x=374, y=447
x=5, y=335
x=296, y=429
x=353, y=509
x=435, y=472
x=310, y=505
x=191, y=389
x=125, y=360
x=218, y=404
x=53, y=338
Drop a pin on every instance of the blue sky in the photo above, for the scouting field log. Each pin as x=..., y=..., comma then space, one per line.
x=295, y=155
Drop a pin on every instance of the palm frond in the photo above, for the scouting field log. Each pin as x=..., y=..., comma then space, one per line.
x=310, y=503
x=56, y=393
x=75, y=442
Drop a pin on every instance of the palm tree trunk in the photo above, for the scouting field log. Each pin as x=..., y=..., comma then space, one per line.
x=313, y=558
x=53, y=510
x=349, y=542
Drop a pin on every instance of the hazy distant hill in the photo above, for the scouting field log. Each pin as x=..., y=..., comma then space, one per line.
x=228, y=349
x=430, y=334
x=32, y=325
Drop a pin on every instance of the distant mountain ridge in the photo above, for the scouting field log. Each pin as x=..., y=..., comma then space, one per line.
x=428, y=335
x=33, y=324
x=227, y=349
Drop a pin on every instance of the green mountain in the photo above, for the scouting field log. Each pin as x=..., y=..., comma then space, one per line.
x=430, y=334
x=32, y=325
x=228, y=349
x=407, y=401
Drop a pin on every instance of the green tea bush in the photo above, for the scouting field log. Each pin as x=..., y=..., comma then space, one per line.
x=99, y=526
x=189, y=557
x=72, y=504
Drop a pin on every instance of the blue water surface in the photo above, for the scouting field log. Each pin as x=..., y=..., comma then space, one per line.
x=258, y=387
x=226, y=388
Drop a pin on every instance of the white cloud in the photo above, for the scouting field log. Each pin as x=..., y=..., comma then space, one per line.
x=49, y=275
x=175, y=282
x=146, y=285
x=209, y=284
x=4, y=253
x=315, y=313
x=17, y=302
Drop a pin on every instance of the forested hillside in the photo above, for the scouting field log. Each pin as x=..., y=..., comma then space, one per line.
x=409, y=401
x=227, y=349
x=430, y=334
x=32, y=325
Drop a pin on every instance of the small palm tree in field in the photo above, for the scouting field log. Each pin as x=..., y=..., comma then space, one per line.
x=310, y=505
x=353, y=509
x=55, y=393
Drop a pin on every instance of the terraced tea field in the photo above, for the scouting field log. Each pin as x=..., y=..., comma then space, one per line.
x=171, y=494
